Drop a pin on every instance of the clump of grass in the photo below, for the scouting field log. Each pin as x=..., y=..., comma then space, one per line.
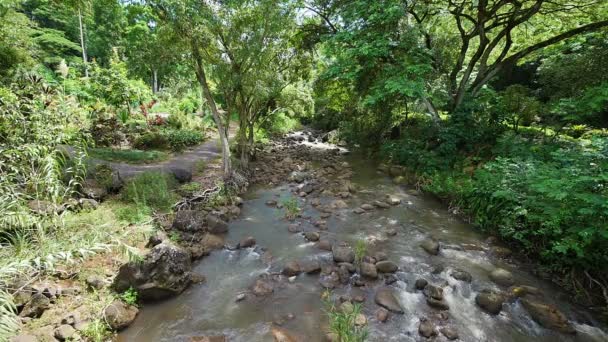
x=342, y=324
x=360, y=250
x=292, y=208
x=96, y=331
x=200, y=166
x=128, y=156
x=133, y=213
x=152, y=189
x=189, y=188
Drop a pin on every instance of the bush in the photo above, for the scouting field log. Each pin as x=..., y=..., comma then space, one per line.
x=151, y=189
x=106, y=131
x=151, y=140
x=179, y=139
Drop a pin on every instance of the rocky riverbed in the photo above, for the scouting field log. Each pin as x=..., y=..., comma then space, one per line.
x=423, y=274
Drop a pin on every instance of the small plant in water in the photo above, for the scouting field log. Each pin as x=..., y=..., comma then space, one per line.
x=360, y=250
x=129, y=296
x=342, y=323
x=292, y=209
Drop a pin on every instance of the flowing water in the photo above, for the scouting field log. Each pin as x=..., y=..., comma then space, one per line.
x=211, y=308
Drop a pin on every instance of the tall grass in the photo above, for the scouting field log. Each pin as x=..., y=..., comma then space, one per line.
x=151, y=189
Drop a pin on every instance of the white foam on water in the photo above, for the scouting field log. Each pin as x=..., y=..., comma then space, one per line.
x=392, y=222
x=466, y=313
x=472, y=257
x=305, y=245
x=593, y=333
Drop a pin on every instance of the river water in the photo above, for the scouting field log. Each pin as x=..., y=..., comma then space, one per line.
x=211, y=308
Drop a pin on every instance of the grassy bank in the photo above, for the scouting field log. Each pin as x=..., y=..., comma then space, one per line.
x=128, y=156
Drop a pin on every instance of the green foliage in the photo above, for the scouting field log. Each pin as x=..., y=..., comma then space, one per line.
x=342, y=323
x=180, y=139
x=189, y=189
x=96, y=331
x=151, y=140
x=360, y=250
x=9, y=322
x=292, y=208
x=129, y=296
x=129, y=156
x=151, y=189
x=133, y=213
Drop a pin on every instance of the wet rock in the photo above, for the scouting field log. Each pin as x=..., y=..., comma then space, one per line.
x=312, y=236
x=350, y=267
x=367, y=207
x=343, y=254
x=181, y=175
x=386, y=266
x=369, y=270
x=385, y=298
x=310, y=266
x=437, y=304
x=216, y=225
x=96, y=282
x=502, y=277
x=430, y=246
x=380, y=256
x=381, y=315
x=211, y=242
x=247, y=242
x=283, y=335
x=347, y=307
x=64, y=332
x=381, y=205
x=360, y=320
x=189, y=221
x=292, y=268
x=119, y=315
x=71, y=319
x=427, y=329
x=433, y=291
x=164, y=272
x=240, y=297
x=330, y=281
x=343, y=274
x=449, y=333
x=461, y=275
x=218, y=338
x=197, y=278
x=420, y=284
x=307, y=189
x=391, y=232
x=523, y=290
x=271, y=203
x=294, y=228
x=156, y=239
x=339, y=204
x=324, y=245
x=393, y=200
x=358, y=211
x=37, y=305
x=390, y=279
x=548, y=316
x=490, y=301
x=501, y=252
x=262, y=287
x=92, y=189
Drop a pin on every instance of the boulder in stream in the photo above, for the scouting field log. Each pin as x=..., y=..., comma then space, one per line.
x=548, y=316
x=386, y=299
x=502, y=277
x=431, y=246
x=292, y=268
x=119, y=315
x=369, y=270
x=343, y=253
x=164, y=272
x=461, y=275
x=427, y=328
x=216, y=225
x=189, y=221
x=386, y=266
x=490, y=301
x=218, y=338
x=247, y=242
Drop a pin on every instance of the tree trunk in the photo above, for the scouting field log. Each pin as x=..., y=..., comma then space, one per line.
x=221, y=129
x=243, y=148
x=432, y=110
x=154, y=81
x=84, y=49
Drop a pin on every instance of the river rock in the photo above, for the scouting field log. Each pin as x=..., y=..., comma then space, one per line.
x=501, y=252
x=343, y=254
x=449, y=333
x=283, y=335
x=490, y=301
x=433, y=291
x=189, y=221
x=216, y=225
x=330, y=281
x=292, y=268
x=461, y=275
x=262, y=287
x=385, y=298
x=218, y=338
x=386, y=266
x=548, y=316
x=310, y=266
x=312, y=236
x=119, y=315
x=96, y=282
x=381, y=315
x=367, y=207
x=502, y=277
x=380, y=256
x=523, y=290
x=393, y=200
x=437, y=304
x=37, y=305
x=427, y=329
x=420, y=284
x=343, y=274
x=391, y=232
x=211, y=242
x=64, y=332
x=164, y=272
x=181, y=175
x=350, y=267
x=431, y=246
x=324, y=245
x=294, y=228
x=358, y=211
x=381, y=205
x=369, y=270
x=339, y=204
x=247, y=242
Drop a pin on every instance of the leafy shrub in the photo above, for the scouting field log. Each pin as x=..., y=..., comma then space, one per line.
x=151, y=140
x=180, y=139
x=151, y=189
x=129, y=296
x=106, y=131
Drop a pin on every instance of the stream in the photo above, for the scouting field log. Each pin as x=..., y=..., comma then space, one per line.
x=212, y=308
